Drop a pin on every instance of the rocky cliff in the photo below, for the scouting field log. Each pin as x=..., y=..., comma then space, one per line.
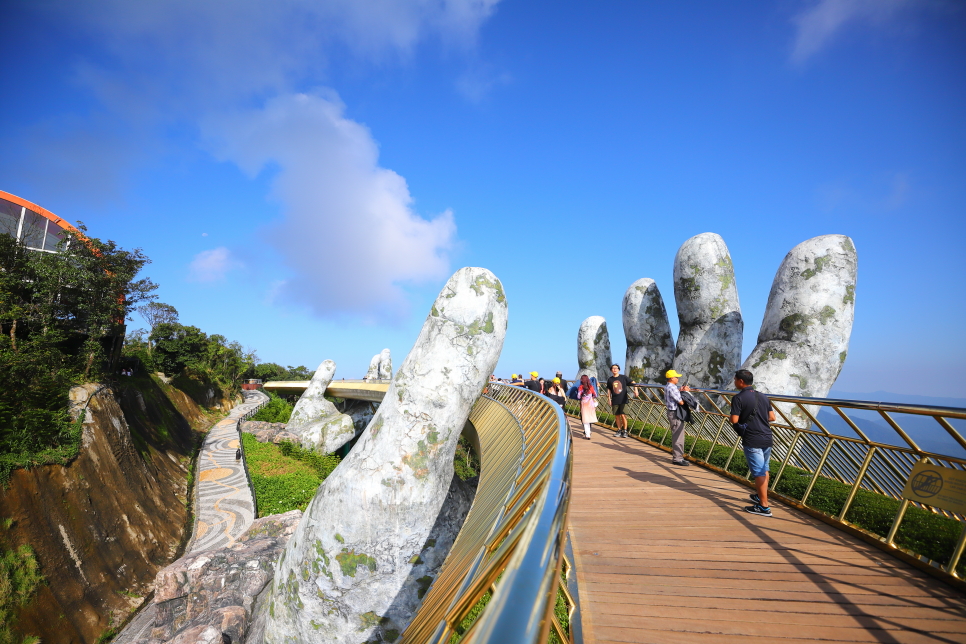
x=105, y=523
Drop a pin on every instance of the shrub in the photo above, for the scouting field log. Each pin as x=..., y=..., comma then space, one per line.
x=275, y=410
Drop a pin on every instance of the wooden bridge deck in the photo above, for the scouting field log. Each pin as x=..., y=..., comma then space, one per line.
x=667, y=554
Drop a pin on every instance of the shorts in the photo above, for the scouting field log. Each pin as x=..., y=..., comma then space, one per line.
x=619, y=409
x=758, y=458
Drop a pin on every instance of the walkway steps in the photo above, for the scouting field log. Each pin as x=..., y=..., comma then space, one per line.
x=667, y=554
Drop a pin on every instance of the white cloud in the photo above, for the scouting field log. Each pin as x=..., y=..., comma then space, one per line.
x=821, y=22
x=211, y=266
x=350, y=233
x=476, y=83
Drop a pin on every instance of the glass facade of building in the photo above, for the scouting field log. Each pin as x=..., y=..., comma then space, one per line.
x=38, y=229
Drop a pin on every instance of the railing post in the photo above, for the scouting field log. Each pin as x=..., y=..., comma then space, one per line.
x=818, y=470
x=957, y=553
x=891, y=537
x=858, y=482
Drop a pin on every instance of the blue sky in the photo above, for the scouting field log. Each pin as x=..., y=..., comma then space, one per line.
x=306, y=175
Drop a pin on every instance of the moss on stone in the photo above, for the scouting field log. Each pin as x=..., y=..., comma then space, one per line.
x=368, y=620
x=689, y=286
x=770, y=354
x=482, y=281
x=820, y=263
x=842, y=357
x=794, y=324
x=339, y=538
x=349, y=560
x=849, y=297
x=434, y=311
x=423, y=584
x=826, y=314
x=415, y=560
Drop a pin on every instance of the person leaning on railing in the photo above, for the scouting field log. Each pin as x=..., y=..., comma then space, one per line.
x=751, y=413
x=672, y=399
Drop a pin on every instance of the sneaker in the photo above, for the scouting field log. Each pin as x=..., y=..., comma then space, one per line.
x=624, y=434
x=755, y=498
x=759, y=510
x=681, y=463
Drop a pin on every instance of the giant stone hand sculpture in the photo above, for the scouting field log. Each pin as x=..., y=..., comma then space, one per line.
x=650, y=347
x=709, y=342
x=363, y=555
x=315, y=420
x=380, y=367
x=593, y=349
x=805, y=333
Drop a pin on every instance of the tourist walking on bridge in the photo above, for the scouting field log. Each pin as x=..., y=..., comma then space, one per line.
x=751, y=413
x=672, y=398
x=534, y=383
x=617, y=397
x=587, y=395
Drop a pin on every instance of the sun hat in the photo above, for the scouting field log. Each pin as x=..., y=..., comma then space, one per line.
x=671, y=373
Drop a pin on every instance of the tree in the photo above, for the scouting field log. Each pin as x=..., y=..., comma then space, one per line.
x=155, y=313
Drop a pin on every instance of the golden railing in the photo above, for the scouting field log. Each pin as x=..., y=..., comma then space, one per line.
x=861, y=470
x=511, y=545
x=502, y=577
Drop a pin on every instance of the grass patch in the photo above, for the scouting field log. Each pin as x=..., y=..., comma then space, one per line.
x=285, y=476
x=922, y=532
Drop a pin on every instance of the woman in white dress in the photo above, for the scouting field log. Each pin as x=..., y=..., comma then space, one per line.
x=587, y=395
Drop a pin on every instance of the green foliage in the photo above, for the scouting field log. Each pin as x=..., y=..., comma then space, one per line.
x=268, y=371
x=285, y=476
x=275, y=410
x=176, y=349
x=466, y=462
x=20, y=578
x=58, y=311
x=921, y=531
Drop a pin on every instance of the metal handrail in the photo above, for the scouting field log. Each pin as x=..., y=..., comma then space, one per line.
x=515, y=531
x=802, y=441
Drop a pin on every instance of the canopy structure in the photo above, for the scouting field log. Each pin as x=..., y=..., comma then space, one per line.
x=37, y=227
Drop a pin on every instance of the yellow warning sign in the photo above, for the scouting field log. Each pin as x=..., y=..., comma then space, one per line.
x=940, y=487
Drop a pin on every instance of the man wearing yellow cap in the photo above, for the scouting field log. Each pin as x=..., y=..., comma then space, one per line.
x=672, y=397
x=534, y=383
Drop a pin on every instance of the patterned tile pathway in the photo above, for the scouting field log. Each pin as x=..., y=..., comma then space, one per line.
x=667, y=554
x=223, y=507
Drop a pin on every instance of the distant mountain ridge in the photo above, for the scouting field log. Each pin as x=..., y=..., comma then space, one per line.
x=911, y=399
x=924, y=430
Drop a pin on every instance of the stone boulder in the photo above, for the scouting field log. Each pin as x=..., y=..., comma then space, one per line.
x=650, y=347
x=593, y=349
x=315, y=420
x=804, y=336
x=708, y=350
x=376, y=533
x=265, y=432
x=202, y=596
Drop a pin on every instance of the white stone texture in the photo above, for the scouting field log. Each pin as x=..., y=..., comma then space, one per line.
x=385, y=365
x=315, y=420
x=709, y=342
x=380, y=367
x=374, y=536
x=593, y=349
x=650, y=347
x=373, y=372
x=804, y=337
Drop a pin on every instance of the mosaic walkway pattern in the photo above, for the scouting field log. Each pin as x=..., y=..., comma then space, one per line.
x=223, y=508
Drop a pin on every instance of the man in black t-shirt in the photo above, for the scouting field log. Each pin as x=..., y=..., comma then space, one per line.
x=534, y=384
x=617, y=396
x=751, y=413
